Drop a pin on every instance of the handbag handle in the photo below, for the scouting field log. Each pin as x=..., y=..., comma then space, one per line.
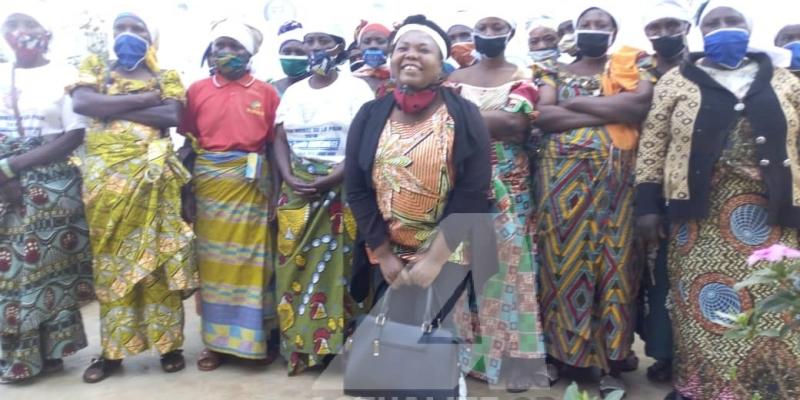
x=428, y=321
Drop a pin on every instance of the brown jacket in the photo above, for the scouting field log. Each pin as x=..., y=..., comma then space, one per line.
x=688, y=125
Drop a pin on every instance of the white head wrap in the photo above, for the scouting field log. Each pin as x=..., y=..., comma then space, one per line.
x=780, y=57
x=459, y=18
x=660, y=9
x=738, y=5
x=543, y=21
x=504, y=13
x=249, y=37
x=440, y=42
x=595, y=4
x=326, y=26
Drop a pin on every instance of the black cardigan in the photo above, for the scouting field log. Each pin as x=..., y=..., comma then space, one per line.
x=711, y=130
x=466, y=214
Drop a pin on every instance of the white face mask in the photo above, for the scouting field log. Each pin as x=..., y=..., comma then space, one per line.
x=544, y=55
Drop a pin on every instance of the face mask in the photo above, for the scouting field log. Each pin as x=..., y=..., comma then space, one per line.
x=669, y=46
x=374, y=57
x=230, y=65
x=593, y=43
x=27, y=47
x=794, y=47
x=413, y=102
x=544, y=55
x=130, y=49
x=492, y=46
x=463, y=53
x=320, y=62
x=294, y=66
x=727, y=47
x=568, y=44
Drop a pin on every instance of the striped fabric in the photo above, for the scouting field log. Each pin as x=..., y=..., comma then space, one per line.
x=234, y=257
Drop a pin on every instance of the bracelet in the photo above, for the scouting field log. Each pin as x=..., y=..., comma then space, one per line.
x=5, y=168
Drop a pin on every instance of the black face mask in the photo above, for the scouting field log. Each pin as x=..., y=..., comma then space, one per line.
x=491, y=46
x=669, y=46
x=593, y=43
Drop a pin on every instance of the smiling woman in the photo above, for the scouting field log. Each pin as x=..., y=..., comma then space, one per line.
x=417, y=175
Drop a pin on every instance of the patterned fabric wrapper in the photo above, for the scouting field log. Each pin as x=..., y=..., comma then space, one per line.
x=706, y=258
x=132, y=182
x=45, y=267
x=234, y=254
x=508, y=309
x=315, y=251
x=588, y=283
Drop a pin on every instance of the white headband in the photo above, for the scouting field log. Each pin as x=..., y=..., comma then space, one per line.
x=424, y=29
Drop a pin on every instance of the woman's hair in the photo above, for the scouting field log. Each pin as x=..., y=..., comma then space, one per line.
x=422, y=20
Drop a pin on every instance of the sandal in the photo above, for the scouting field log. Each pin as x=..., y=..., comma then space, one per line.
x=52, y=366
x=209, y=360
x=660, y=372
x=100, y=369
x=629, y=364
x=612, y=388
x=173, y=361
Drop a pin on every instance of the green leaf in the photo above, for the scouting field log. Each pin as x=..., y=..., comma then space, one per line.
x=780, y=269
x=770, y=333
x=572, y=392
x=732, y=374
x=762, y=276
x=776, y=303
x=737, y=334
x=615, y=395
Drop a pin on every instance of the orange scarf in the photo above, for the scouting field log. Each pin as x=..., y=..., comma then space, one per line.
x=622, y=75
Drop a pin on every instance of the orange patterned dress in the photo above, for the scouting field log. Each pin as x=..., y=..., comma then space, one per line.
x=413, y=175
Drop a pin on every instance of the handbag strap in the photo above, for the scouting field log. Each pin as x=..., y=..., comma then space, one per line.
x=451, y=302
x=429, y=322
x=15, y=102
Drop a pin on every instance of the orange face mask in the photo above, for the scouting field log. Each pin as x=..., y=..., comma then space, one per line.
x=463, y=53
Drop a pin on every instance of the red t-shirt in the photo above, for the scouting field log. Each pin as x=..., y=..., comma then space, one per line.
x=230, y=115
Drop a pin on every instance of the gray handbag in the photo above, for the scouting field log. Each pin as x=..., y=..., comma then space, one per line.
x=391, y=359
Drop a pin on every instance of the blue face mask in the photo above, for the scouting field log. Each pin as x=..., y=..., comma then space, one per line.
x=727, y=47
x=130, y=49
x=374, y=57
x=544, y=55
x=794, y=47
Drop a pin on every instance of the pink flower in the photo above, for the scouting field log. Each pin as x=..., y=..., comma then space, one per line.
x=774, y=253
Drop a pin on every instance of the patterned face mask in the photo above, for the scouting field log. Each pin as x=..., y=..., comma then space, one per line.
x=27, y=46
x=320, y=62
x=231, y=65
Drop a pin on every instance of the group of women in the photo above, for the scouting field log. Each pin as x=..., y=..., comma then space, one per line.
x=577, y=199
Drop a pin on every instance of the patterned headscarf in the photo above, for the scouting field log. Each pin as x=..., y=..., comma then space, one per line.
x=290, y=31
